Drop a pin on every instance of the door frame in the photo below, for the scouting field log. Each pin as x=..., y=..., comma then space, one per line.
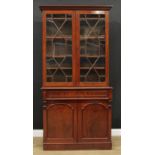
x=89, y=84
x=58, y=84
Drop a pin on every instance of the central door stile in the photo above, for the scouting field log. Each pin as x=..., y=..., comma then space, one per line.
x=74, y=47
x=77, y=41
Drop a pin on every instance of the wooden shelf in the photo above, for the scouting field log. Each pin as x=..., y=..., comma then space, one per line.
x=91, y=56
x=83, y=56
x=70, y=37
x=57, y=56
x=92, y=37
x=92, y=68
x=62, y=18
x=64, y=68
x=59, y=37
x=68, y=76
x=84, y=68
x=84, y=75
x=89, y=18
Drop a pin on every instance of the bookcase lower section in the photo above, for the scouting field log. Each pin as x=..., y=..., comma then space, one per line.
x=77, y=122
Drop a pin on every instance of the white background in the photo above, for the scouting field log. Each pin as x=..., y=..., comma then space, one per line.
x=138, y=77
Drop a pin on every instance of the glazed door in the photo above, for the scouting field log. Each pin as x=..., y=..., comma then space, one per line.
x=58, y=48
x=75, y=48
x=93, y=48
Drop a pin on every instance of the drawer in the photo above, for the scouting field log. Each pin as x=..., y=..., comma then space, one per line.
x=86, y=93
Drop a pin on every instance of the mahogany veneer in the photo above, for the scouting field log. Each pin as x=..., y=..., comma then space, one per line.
x=75, y=89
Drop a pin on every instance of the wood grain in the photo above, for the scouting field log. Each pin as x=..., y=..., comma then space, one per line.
x=76, y=115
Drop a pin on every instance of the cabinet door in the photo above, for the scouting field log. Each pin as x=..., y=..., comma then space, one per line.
x=60, y=122
x=58, y=48
x=93, y=47
x=94, y=121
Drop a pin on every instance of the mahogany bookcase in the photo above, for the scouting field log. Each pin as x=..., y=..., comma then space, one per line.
x=75, y=77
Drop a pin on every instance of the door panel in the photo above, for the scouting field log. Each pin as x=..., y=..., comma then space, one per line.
x=61, y=122
x=58, y=48
x=92, y=47
x=93, y=119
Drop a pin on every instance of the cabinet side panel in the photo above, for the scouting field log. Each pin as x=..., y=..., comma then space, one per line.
x=43, y=47
x=107, y=45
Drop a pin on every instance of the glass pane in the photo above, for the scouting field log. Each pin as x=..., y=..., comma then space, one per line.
x=59, y=48
x=92, y=48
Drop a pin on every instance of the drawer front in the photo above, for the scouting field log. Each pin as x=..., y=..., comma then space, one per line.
x=77, y=94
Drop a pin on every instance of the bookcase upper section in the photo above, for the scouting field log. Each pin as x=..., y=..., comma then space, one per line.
x=75, y=45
